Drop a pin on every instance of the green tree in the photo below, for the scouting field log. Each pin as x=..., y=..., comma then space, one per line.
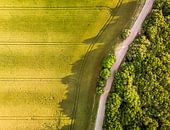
x=105, y=73
x=125, y=33
x=142, y=81
x=108, y=61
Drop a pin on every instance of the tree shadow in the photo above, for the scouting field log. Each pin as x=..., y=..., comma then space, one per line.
x=83, y=86
x=85, y=79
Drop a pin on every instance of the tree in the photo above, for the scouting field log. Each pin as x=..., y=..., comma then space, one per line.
x=108, y=61
x=105, y=73
x=112, y=110
x=125, y=33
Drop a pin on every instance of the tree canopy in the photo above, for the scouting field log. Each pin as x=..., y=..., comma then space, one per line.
x=105, y=72
x=140, y=96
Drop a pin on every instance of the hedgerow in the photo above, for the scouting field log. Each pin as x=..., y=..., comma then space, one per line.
x=105, y=72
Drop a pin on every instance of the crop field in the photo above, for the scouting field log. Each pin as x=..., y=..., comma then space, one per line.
x=50, y=53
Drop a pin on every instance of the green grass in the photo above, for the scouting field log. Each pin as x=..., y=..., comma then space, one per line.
x=48, y=64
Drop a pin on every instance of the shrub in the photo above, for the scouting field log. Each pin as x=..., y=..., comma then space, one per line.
x=105, y=72
x=125, y=33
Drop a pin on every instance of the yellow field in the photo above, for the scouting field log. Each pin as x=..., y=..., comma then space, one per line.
x=50, y=54
x=38, y=48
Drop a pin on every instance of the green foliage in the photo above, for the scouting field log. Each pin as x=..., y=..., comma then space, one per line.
x=165, y=125
x=99, y=90
x=150, y=124
x=166, y=8
x=105, y=72
x=142, y=83
x=125, y=33
x=112, y=122
x=108, y=61
x=101, y=82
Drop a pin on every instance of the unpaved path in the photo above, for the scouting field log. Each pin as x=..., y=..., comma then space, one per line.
x=120, y=53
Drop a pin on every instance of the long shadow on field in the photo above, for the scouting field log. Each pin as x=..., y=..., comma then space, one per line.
x=86, y=83
x=82, y=88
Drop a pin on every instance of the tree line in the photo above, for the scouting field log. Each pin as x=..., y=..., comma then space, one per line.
x=104, y=72
x=140, y=96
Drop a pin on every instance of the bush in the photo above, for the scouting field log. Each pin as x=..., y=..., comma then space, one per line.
x=105, y=72
x=125, y=33
x=99, y=90
x=108, y=61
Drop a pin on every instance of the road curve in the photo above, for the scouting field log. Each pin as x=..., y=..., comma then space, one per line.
x=120, y=53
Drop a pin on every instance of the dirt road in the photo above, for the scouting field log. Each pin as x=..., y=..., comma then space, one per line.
x=120, y=53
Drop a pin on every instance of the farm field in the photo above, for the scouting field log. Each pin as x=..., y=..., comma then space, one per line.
x=49, y=59
x=57, y=3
